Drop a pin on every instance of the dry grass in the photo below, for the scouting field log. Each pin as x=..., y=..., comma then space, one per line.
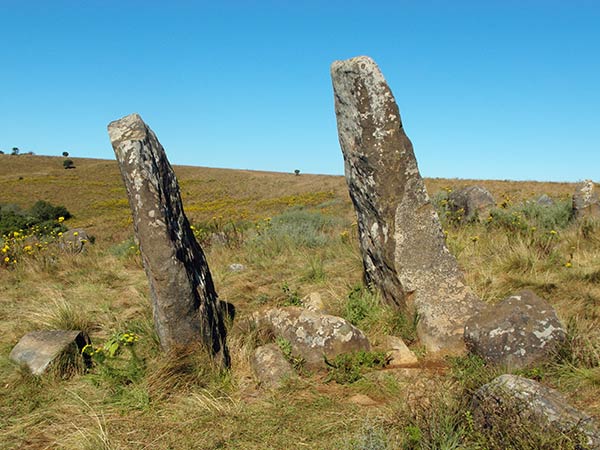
x=182, y=402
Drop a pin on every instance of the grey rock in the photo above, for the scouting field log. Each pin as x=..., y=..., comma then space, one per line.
x=312, y=335
x=520, y=331
x=74, y=240
x=270, y=366
x=586, y=202
x=185, y=304
x=236, y=267
x=512, y=398
x=402, y=244
x=38, y=349
x=544, y=200
x=471, y=203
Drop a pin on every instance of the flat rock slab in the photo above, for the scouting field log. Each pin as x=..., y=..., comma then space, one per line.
x=312, y=335
x=402, y=244
x=38, y=349
x=270, y=366
x=520, y=331
x=531, y=402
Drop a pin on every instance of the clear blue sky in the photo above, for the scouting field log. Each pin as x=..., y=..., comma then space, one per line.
x=487, y=89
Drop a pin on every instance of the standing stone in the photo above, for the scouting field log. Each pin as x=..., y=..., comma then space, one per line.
x=185, y=305
x=585, y=200
x=403, y=247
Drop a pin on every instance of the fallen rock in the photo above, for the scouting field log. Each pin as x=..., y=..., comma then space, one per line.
x=236, y=267
x=38, y=349
x=585, y=200
x=544, y=200
x=398, y=352
x=402, y=244
x=511, y=398
x=186, y=308
x=270, y=366
x=74, y=240
x=312, y=335
x=520, y=331
x=471, y=203
x=313, y=302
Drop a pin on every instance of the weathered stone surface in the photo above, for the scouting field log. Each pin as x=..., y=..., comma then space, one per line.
x=312, y=335
x=586, y=202
x=38, y=349
x=314, y=302
x=399, y=353
x=544, y=200
x=512, y=398
x=403, y=247
x=74, y=240
x=471, y=203
x=185, y=305
x=519, y=331
x=270, y=366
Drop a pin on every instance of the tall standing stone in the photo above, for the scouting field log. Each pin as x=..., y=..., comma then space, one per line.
x=185, y=304
x=402, y=243
x=586, y=202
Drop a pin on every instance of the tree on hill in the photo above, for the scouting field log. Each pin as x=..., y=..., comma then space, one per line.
x=65, y=154
x=15, y=151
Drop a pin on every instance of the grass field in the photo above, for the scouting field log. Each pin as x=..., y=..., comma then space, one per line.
x=294, y=235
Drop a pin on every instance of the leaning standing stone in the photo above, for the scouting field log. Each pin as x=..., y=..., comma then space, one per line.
x=585, y=200
x=185, y=305
x=403, y=248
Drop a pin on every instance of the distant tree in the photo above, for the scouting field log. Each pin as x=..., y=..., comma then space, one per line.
x=65, y=154
x=297, y=172
x=15, y=151
x=68, y=164
x=1, y=152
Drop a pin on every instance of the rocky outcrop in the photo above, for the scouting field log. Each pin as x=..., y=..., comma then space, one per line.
x=586, y=202
x=398, y=352
x=471, y=203
x=517, y=332
x=514, y=399
x=270, y=366
x=39, y=349
x=312, y=335
x=185, y=305
x=313, y=302
x=402, y=244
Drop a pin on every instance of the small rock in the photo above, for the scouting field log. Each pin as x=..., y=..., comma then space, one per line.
x=236, y=267
x=544, y=200
x=362, y=400
x=471, y=202
x=38, y=349
x=270, y=366
x=517, y=332
x=532, y=403
x=312, y=335
x=399, y=353
x=585, y=200
x=74, y=241
x=313, y=302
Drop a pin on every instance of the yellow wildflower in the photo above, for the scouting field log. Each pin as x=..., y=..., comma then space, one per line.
x=568, y=264
x=61, y=219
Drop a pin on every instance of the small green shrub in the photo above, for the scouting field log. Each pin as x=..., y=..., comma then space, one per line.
x=285, y=346
x=348, y=368
x=291, y=296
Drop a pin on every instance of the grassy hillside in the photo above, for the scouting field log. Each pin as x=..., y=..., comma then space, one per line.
x=294, y=235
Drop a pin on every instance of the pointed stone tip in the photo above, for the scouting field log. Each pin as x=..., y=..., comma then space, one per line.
x=355, y=63
x=130, y=127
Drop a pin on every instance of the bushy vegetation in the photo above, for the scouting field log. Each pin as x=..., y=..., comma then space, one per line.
x=146, y=399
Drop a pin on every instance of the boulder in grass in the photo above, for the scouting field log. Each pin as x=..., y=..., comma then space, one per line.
x=270, y=366
x=398, y=351
x=471, y=203
x=39, y=349
x=312, y=335
x=544, y=200
x=511, y=400
x=520, y=331
x=74, y=241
